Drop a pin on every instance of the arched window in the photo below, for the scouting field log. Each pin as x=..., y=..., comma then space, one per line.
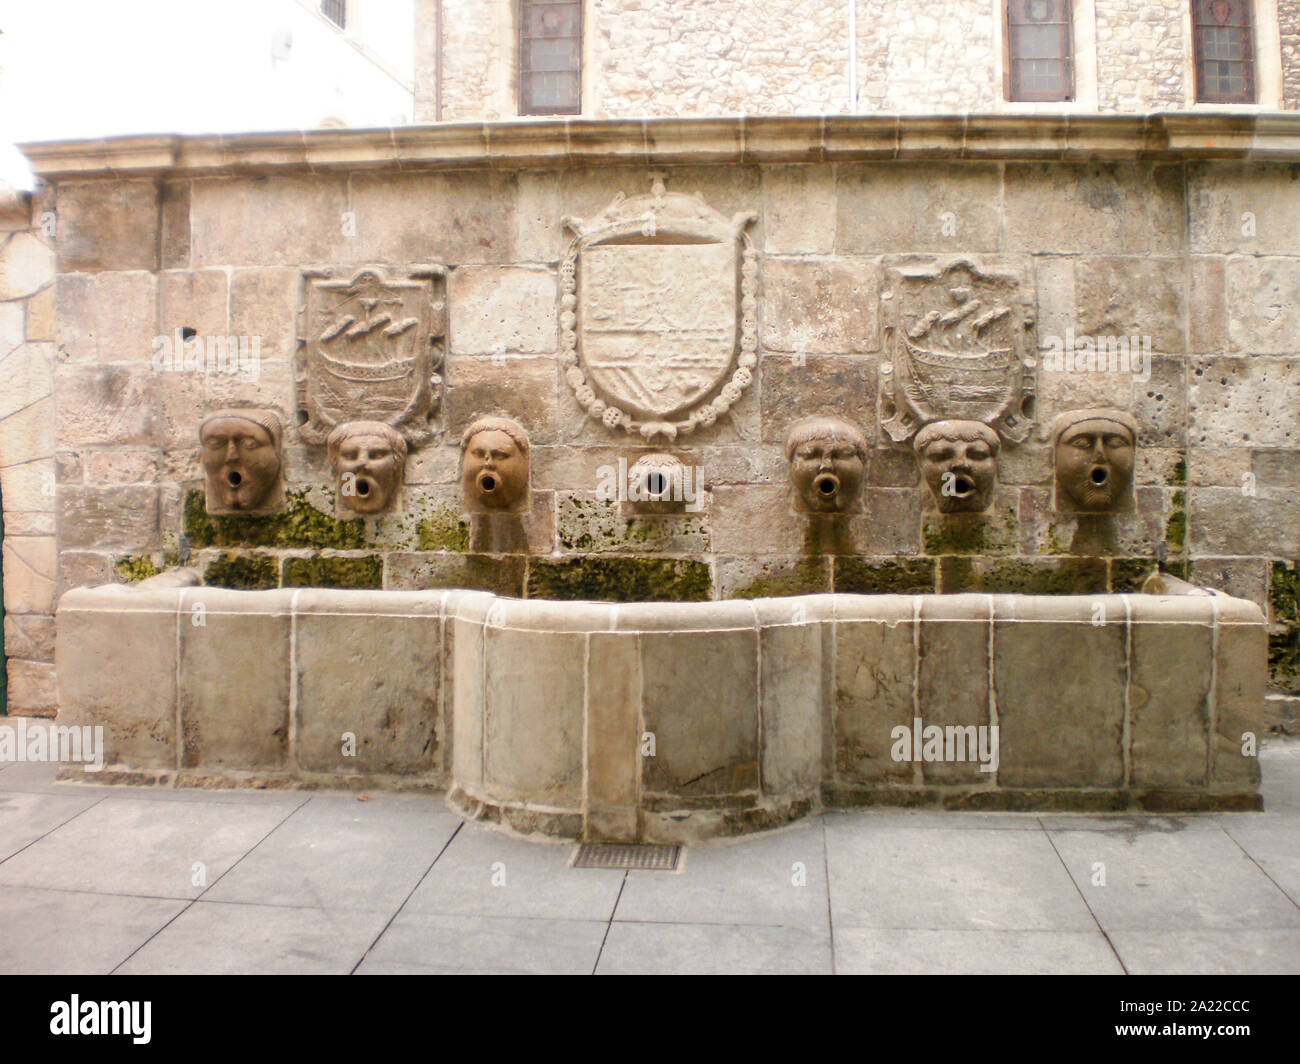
x=1223, y=42
x=550, y=57
x=1040, y=49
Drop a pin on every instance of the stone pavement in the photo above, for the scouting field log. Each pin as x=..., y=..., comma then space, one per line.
x=124, y=879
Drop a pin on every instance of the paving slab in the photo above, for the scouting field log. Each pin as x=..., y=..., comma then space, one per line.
x=486, y=873
x=1243, y=951
x=933, y=818
x=24, y=818
x=152, y=849
x=898, y=951
x=714, y=949
x=221, y=938
x=1273, y=845
x=336, y=852
x=1184, y=875
x=884, y=875
x=776, y=880
x=41, y=778
x=478, y=945
x=56, y=932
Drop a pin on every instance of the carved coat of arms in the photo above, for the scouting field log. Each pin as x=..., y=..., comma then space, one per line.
x=958, y=345
x=658, y=301
x=370, y=347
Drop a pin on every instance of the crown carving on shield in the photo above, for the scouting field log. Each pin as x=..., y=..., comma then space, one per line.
x=958, y=339
x=659, y=312
x=370, y=345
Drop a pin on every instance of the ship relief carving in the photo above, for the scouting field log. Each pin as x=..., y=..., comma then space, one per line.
x=658, y=312
x=370, y=348
x=959, y=343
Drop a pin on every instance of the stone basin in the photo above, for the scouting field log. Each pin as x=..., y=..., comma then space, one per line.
x=671, y=722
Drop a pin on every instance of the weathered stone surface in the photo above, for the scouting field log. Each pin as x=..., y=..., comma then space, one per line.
x=116, y=663
x=1243, y=208
x=125, y=517
x=502, y=310
x=1238, y=698
x=874, y=669
x=271, y=222
x=772, y=577
x=85, y=569
x=107, y=225
x=121, y=467
x=1132, y=297
x=264, y=303
x=613, y=737
x=794, y=388
x=1111, y=208
x=30, y=565
x=713, y=751
x=911, y=206
x=795, y=708
x=757, y=519
x=26, y=266
x=953, y=681
x=820, y=306
x=523, y=388
x=368, y=671
x=195, y=300
x=1224, y=521
x=533, y=727
x=1169, y=692
x=234, y=679
x=460, y=218
x=29, y=636
x=1264, y=294
x=174, y=225
x=799, y=210
x=31, y=688
x=12, y=326
x=1059, y=726
x=108, y=405
x=502, y=575
x=591, y=525
x=1232, y=402
x=26, y=377
x=107, y=317
x=1207, y=313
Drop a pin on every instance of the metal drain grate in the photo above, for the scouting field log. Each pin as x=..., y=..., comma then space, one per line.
x=639, y=858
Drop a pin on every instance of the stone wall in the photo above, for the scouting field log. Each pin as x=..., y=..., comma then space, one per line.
x=1197, y=256
x=27, y=446
x=719, y=57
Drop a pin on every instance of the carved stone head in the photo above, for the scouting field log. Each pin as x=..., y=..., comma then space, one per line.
x=958, y=461
x=240, y=452
x=1094, y=454
x=827, y=459
x=494, y=464
x=368, y=458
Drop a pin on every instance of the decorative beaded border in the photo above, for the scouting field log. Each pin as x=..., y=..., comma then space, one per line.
x=614, y=417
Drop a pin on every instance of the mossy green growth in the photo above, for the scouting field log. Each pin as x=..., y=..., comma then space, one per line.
x=322, y=571
x=1284, y=659
x=956, y=537
x=1284, y=592
x=1128, y=574
x=620, y=580
x=807, y=577
x=134, y=568
x=1178, y=475
x=300, y=525
x=442, y=530
x=858, y=576
x=1176, y=530
x=243, y=572
x=1067, y=576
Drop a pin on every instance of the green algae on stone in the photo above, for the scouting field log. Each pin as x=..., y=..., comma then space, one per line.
x=1063, y=576
x=1178, y=475
x=860, y=576
x=442, y=530
x=620, y=580
x=807, y=577
x=134, y=568
x=300, y=525
x=243, y=572
x=1284, y=591
x=327, y=571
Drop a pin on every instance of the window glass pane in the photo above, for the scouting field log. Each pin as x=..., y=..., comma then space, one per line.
x=1223, y=39
x=550, y=57
x=1040, y=46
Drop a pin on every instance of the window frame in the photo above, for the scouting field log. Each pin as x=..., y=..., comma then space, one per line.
x=1250, y=61
x=521, y=75
x=1011, y=89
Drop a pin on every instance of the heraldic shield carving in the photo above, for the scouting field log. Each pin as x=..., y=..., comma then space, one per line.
x=370, y=348
x=658, y=312
x=958, y=347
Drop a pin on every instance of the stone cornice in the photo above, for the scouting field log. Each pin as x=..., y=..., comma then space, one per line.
x=557, y=143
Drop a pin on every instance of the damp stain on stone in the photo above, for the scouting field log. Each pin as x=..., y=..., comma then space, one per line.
x=300, y=525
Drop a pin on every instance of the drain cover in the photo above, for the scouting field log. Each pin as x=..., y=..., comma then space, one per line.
x=639, y=858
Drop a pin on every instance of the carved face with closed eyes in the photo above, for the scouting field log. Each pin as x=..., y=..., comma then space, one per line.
x=240, y=452
x=958, y=462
